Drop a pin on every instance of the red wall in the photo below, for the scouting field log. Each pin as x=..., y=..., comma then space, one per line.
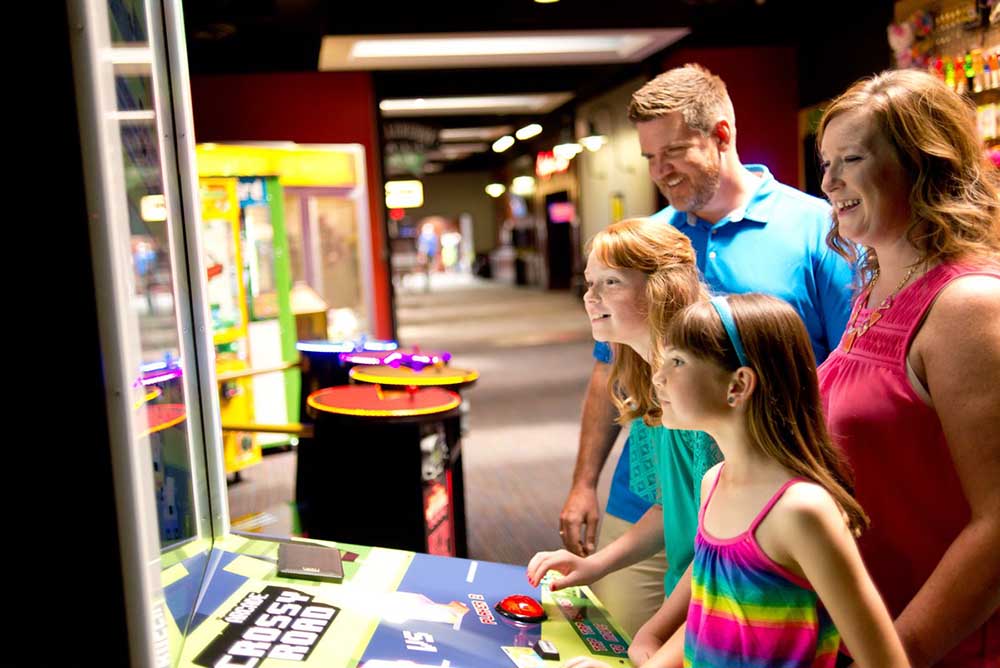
x=762, y=85
x=305, y=107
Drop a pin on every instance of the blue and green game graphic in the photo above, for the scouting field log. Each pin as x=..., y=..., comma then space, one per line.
x=453, y=618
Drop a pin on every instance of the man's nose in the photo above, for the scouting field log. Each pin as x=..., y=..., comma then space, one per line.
x=658, y=167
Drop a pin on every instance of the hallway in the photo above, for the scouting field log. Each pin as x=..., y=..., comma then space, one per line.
x=532, y=349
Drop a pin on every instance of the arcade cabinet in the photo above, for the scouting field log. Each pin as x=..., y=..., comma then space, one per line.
x=193, y=592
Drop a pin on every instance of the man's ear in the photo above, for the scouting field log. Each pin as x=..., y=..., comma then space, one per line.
x=723, y=132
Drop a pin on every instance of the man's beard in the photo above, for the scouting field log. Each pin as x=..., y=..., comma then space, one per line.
x=705, y=185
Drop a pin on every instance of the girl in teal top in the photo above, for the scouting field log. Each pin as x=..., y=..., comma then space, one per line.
x=664, y=462
x=639, y=274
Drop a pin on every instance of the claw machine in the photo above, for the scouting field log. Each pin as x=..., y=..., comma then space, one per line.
x=271, y=331
x=227, y=303
x=317, y=201
x=254, y=329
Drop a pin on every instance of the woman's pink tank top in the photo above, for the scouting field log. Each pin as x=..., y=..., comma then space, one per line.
x=904, y=476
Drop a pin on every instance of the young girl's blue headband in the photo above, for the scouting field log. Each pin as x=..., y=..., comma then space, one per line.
x=721, y=306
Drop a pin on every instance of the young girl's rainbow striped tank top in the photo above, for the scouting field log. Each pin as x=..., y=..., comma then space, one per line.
x=748, y=611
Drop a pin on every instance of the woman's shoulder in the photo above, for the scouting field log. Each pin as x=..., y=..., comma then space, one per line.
x=975, y=289
x=954, y=281
x=968, y=303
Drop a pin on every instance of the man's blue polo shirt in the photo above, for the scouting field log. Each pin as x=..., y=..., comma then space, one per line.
x=775, y=245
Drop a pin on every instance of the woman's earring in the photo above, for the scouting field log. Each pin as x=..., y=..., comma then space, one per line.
x=731, y=400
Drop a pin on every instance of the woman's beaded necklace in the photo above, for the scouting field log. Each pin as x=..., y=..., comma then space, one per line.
x=856, y=331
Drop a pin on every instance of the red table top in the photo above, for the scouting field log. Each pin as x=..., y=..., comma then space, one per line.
x=375, y=401
x=161, y=416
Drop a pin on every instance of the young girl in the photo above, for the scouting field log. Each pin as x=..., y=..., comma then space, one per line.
x=639, y=274
x=776, y=578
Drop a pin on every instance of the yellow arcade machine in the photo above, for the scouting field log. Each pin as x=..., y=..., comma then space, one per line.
x=220, y=212
x=305, y=249
x=271, y=326
x=320, y=195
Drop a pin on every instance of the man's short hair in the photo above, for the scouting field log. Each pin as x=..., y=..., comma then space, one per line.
x=699, y=96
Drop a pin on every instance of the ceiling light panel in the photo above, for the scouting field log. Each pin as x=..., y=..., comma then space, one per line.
x=535, y=103
x=474, y=134
x=389, y=52
x=461, y=47
x=471, y=147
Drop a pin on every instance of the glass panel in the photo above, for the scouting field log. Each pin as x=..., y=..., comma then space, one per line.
x=260, y=260
x=160, y=372
x=220, y=234
x=339, y=266
x=293, y=228
x=127, y=19
x=258, y=229
x=338, y=238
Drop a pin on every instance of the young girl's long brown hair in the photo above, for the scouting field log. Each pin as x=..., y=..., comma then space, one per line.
x=667, y=258
x=785, y=415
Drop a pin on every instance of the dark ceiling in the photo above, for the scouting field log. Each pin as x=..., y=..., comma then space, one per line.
x=247, y=36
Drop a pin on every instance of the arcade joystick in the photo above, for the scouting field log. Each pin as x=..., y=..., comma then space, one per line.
x=521, y=608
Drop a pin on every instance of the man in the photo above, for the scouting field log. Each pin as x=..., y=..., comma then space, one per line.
x=427, y=247
x=751, y=234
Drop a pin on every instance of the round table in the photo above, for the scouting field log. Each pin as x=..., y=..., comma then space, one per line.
x=379, y=469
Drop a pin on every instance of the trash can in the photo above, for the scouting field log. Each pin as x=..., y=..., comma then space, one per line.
x=377, y=470
x=456, y=426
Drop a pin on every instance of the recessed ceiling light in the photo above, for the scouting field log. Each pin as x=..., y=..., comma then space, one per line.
x=522, y=185
x=566, y=151
x=528, y=131
x=496, y=189
x=502, y=144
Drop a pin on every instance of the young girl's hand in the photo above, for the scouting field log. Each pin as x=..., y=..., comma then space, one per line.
x=575, y=570
x=643, y=647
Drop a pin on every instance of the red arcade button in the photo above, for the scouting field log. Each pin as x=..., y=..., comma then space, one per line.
x=522, y=608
